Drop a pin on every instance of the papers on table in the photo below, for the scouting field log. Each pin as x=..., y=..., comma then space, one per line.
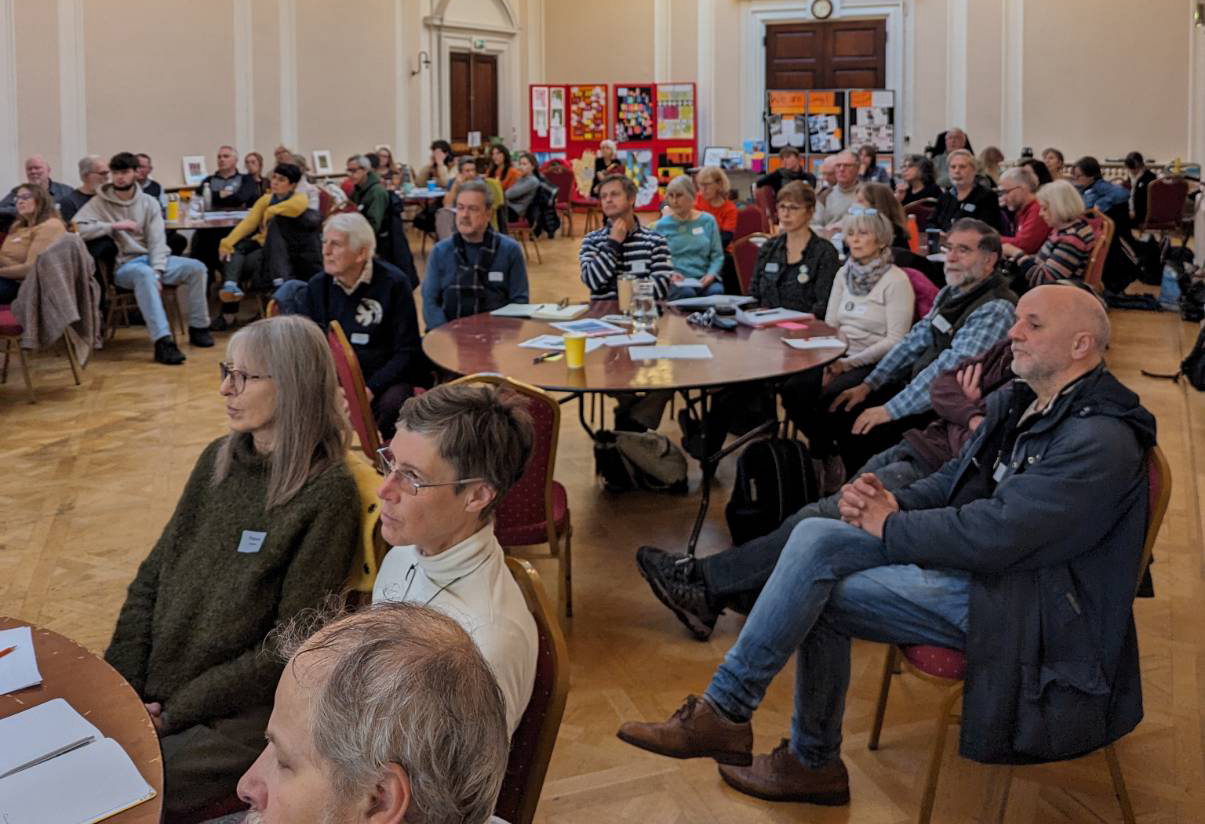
x=590, y=326
x=557, y=342
x=710, y=300
x=678, y=351
x=541, y=311
x=19, y=668
x=760, y=318
x=51, y=747
x=629, y=340
x=623, y=320
x=230, y=215
x=692, y=283
x=819, y=342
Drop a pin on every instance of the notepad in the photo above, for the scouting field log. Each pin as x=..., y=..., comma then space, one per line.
x=557, y=342
x=18, y=669
x=814, y=343
x=634, y=339
x=759, y=318
x=590, y=326
x=57, y=767
x=710, y=300
x=679, y=351
x=541, y=311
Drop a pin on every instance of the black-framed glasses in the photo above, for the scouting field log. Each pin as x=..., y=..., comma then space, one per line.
x=238, y=378
x=409, y=482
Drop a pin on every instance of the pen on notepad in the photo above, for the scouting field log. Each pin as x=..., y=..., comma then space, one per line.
x=545, y=356
x=4, y=652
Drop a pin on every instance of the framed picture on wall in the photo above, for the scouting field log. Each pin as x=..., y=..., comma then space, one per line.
x=322, y=162
x=194, y=169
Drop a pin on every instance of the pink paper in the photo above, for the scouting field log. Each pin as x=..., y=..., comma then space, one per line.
x=790, y=324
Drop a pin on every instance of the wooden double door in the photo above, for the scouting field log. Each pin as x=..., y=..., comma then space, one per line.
x=473, y=90
x=835, y=54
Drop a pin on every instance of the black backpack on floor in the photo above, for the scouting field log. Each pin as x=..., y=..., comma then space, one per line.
x=774, y=479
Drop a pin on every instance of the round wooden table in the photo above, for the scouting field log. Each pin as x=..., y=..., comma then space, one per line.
x=101, y=695
x=483, y=343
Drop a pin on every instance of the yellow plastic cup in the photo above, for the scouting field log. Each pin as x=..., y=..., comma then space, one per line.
x=575, y=350
x=173, y=210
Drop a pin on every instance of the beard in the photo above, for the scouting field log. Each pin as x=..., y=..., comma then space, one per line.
x=123, y=188
x=331, y=814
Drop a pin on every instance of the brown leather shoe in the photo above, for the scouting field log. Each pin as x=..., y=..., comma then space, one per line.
x=780, y=776
x=695, y=730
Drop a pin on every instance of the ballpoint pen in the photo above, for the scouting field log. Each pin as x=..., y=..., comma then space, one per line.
x=4, y=652
x=546, y=356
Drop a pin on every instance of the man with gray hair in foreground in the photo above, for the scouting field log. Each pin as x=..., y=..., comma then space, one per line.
x=386, y=715
x=1022, y=551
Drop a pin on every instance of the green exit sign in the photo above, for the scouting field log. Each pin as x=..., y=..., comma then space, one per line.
x=478, y=43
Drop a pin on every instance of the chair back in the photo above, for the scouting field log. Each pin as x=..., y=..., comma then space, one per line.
x=347, y=367
x=1159, y=492
x=272, y=309
x=562, y=178
x=767, y=201
x=1165, y=198
x=367, y=561
x=1103, y=226
x=325, y=202
x=923, y=291
x=750, y=220
x=922, y=210
x=531, y=745
x=530, y=500
x=744, y=257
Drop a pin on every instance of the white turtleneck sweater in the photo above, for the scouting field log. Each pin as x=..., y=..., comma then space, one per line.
x=470, y=583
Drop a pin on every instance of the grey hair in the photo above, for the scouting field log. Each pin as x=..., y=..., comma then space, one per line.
x=406, y=685
x=362, y=161
x=608, y=143
x=1062, y=200
x=1022, y=175
x=477, y=186
x=310, y=432
x=87, y=163
x=962, y=153
x=682, y=184
x=356, y=227
x=877, y=224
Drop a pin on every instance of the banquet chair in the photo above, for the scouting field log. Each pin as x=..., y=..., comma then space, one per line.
x=1104, y=227
x=765, y=198
x=122, y=301
x=351, y=379
x=744, y=257
x=750, y=220
x=922, y=210
x=1165, y=198
x=531, y=745
x=521, y=229
x=947, y=668
x=372, y=547
x=536, y=509
x=560, y=176
x=11, y=332
x=923, y=291
x=584, y=203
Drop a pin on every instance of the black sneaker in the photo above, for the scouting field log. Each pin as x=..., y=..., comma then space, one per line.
x=692, y=435
x=671, y=576
x=167, y=352
x=220, y=324
x=200, y=337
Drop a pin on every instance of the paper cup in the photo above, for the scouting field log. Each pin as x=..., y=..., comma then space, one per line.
x=575, y=350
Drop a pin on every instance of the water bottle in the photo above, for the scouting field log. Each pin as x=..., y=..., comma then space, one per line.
x=207, y=196
x=644, y=306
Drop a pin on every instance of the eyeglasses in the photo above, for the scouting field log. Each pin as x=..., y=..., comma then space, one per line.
x=24, y=196
x=239, y=378
x=470, y=210
x=862, y=210
x=961, y=249
x=788, y=207
x=407, y=480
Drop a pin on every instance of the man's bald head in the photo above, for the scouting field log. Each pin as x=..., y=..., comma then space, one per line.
x=1061, y=332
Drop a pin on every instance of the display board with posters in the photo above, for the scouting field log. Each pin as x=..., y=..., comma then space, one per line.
x=872, y=119
x=826, y=122
x=634, y=114
x=588, y=113
x=676, y=111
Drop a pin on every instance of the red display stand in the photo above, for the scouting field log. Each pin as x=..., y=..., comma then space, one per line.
x=567, y=119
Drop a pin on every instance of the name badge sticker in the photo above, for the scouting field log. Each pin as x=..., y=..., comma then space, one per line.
x=359, y=338
x=998, y=475
x=496, y=277
x=968, y=207
x=941, y=324
x=639, y=267
x=858, y=310
x=771, y=267
x=251, y=541
x=698, y=230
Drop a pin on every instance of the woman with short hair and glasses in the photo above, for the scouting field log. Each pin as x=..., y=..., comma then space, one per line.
x=266, y=527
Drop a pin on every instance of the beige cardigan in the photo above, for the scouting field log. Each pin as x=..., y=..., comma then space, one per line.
x=875, y=322
x=23, y=245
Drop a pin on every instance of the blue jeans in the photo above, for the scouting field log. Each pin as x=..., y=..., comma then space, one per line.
x=833, y=582
x=714, y=288
x=290, y=297
x=138, y=275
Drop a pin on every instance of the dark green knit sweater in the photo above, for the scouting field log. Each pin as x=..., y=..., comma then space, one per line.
x=191, y=630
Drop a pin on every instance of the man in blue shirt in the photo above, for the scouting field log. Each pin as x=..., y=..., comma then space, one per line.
x=475, y=270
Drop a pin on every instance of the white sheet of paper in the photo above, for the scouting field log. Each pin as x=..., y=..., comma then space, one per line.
x=693, y=283
x=814, y=343
x=677, y=351
x=589, y=326
x=710, y=300
x=18, y=669
x=557, y=342
x=634, y=339
x=41, y=732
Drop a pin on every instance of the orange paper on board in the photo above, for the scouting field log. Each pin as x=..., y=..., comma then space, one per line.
x=860, y=100
x=823, y=103
x=787, y=102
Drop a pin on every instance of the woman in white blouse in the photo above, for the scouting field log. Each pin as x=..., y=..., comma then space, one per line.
x=871, y=306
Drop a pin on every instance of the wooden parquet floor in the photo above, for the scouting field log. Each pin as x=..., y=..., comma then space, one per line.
x=91, y=474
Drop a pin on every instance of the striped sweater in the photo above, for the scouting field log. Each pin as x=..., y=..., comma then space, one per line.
x=1064, y=255
x=643, y=254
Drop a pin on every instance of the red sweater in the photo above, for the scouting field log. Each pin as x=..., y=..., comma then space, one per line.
x=1030, y=230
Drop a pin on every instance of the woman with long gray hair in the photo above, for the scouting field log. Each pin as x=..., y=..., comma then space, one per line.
x=266, y=527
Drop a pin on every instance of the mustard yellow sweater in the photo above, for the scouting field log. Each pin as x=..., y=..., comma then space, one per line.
x=260, y=215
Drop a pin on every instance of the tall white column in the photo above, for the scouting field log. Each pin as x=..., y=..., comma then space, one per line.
x=10, y=158
x=662, y=29
x=1012, y=76
x=73, y=105
x=244, y=79
x=705, y=76
x=401, y=85
x=1196, y=91
x=956, y=63
x=287, y=33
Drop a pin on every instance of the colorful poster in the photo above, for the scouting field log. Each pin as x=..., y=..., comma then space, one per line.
x=588, y=113
x=872, y=119
x=826, y=122
x=675, y=111
x=638, y=166
x=633, y=113
x=556, y=108
x=539, y=110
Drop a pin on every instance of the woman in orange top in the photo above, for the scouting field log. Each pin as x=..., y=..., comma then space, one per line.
x=37, y=226
x=713, y=199
x=500, y=168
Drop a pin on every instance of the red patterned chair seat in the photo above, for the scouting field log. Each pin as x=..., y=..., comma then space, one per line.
x=536, y=531
x=939, y=661
x=8, y=323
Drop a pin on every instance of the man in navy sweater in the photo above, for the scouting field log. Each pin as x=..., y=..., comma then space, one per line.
x=372, y=302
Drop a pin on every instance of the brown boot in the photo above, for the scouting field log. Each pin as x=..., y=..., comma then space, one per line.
x=696, y=730
x=780, y=776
